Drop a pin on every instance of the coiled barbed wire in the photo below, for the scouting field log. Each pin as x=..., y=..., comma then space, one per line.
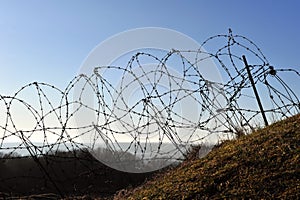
x=147, y=108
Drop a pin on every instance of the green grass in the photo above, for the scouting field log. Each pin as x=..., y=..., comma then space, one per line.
x=262, y=165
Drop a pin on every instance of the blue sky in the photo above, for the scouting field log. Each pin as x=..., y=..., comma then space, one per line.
x=47, y=41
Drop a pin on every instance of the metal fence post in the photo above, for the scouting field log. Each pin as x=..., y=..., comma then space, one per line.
x=255, y=91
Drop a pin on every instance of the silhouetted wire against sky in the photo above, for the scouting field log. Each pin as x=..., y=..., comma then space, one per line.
x=48, y=41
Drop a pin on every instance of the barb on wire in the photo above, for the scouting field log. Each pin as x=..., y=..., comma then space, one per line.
x=142, y=119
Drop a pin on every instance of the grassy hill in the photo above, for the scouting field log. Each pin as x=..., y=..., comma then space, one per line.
x=264, y=164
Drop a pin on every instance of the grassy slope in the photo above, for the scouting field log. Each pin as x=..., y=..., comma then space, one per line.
x=264, y=164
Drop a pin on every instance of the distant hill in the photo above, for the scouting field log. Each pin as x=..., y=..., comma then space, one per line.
x=261, y=165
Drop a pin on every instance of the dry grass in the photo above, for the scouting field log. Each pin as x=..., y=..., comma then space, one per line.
x=262, y=165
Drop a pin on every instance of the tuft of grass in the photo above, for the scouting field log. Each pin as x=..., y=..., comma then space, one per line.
x=261, y=165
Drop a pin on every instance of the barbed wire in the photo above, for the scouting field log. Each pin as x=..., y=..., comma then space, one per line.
x=137, y=118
